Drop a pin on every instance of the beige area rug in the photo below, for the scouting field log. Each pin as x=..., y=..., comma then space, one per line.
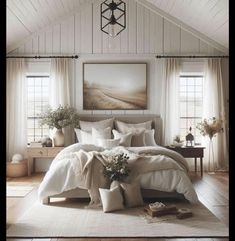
x=71, y=219
x=18, y=191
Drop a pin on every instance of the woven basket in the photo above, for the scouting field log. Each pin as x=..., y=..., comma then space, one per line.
x=17, y=169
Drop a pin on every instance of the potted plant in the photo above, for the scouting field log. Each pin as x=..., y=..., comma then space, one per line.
x=177, y=141
x=59, y=118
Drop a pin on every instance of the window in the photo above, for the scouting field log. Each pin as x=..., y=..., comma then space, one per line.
x=38, y=101
x=191, y=100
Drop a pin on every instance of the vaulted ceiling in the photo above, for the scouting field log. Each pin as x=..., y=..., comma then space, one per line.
x=207, y=17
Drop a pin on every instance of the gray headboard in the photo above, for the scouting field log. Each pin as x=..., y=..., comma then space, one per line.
x=156, y=121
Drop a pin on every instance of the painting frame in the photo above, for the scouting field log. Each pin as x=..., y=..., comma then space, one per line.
x=136, y=71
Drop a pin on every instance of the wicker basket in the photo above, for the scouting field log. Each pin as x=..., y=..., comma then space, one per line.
x=17, y=169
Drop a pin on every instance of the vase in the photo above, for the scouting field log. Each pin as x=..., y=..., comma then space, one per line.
x=211, y=157
x=58, y=138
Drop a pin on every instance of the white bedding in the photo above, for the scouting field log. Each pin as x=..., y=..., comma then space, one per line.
x=61, y=175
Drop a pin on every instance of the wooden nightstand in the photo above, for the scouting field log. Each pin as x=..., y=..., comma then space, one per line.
x=42, y=152
x=191, y=152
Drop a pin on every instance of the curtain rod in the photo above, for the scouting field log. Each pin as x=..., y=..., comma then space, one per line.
x=191, y=56
x=44, y=57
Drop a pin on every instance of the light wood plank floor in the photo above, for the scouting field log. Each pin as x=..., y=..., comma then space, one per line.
x=212, y=191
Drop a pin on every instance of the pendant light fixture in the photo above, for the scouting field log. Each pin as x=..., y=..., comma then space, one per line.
x=113, y=17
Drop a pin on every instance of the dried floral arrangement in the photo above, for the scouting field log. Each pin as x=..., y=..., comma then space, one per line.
x=210, y=127
x=59, y=118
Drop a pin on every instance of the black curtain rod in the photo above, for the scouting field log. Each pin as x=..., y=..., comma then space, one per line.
x=44, y=57
x=191, y=56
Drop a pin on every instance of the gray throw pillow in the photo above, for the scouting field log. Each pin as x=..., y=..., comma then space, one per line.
x=132, y=194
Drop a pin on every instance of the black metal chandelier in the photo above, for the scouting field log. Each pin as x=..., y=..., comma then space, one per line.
x=113, y=17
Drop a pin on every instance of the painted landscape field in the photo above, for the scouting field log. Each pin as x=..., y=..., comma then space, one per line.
x=101, y=99
x=124, y=88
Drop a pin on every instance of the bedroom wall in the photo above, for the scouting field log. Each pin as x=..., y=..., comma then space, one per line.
x=147, y=34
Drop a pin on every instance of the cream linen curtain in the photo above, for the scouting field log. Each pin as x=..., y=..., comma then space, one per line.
x=60, y=89
x=16, y=107
x=170, y=100
x=214, y=106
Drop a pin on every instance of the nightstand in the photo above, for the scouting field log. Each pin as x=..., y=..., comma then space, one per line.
x=191, y=152
x=40, y=152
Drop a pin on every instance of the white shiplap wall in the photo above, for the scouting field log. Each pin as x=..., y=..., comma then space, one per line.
x=146, y=35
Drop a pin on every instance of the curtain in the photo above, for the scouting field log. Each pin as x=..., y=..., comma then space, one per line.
x=214, y=106
x=16, y=107
x=170, y=100
x=60, y=89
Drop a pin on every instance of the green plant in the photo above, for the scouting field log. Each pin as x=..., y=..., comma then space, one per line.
x=177, y=139
x=210, y=127
x=117, y=167
x=59, y=118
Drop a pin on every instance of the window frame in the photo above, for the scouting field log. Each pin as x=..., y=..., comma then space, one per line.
x=186, y=101
x=34, y=118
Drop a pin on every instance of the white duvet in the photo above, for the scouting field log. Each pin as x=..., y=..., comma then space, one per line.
x=61, y=175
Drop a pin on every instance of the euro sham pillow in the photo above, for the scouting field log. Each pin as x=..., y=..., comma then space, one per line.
x=83, y=136
x=112, y=199
x=125, y=139
x=124, y=127
x=108, y=143
x=132, y=194
x=88, y=125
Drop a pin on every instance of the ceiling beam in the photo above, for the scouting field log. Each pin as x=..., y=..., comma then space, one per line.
x=182, y=25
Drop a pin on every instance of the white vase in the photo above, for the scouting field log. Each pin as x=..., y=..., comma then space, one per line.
x=58, y=138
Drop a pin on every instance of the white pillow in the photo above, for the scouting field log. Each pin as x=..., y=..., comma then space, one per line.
x=112, y=200
x=83, y=136
x=132, y=194
x=125, y=139
x=87, y=125
x=149, y=138
x=124, y=127
x=108, y=143
x=100, y=134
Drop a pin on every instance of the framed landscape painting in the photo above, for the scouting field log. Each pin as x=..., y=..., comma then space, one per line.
x=114, y=86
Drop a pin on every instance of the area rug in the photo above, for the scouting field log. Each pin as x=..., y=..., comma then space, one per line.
x=73, y=220
x=18, y=191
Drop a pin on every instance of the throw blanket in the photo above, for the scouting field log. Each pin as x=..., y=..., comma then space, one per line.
x=89, y=166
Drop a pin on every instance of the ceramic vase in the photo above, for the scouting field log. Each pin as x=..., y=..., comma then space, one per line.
x=58, y=138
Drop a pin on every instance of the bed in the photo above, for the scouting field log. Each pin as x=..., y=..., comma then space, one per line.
x=48, y=190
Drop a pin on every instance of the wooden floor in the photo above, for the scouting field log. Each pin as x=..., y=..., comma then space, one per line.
x=212, y=191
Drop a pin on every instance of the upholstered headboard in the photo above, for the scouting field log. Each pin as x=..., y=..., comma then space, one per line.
x=156, y=121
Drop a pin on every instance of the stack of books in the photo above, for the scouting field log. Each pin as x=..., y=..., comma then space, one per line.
x=159, y=209
x=35, y=144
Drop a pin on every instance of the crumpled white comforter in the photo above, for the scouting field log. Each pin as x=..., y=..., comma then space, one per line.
x=61, y=175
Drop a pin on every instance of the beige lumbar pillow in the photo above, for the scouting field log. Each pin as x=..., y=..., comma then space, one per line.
x=112, y=199
x=132, y=194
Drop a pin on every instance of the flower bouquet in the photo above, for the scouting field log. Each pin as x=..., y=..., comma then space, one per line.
x=210, y=127
x=117, y=167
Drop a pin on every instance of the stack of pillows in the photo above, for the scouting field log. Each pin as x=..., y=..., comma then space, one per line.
x=101, y=133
